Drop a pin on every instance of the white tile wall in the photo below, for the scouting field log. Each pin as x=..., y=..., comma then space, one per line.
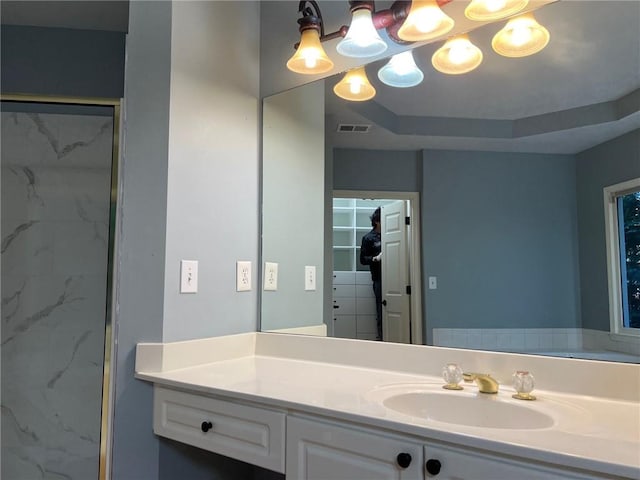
x=535, y=340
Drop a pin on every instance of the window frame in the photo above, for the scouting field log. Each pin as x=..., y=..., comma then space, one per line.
x=614, y=261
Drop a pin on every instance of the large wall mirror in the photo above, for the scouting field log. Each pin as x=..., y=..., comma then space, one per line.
x=508, y=168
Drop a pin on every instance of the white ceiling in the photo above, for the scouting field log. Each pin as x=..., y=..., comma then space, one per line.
x=593, y=57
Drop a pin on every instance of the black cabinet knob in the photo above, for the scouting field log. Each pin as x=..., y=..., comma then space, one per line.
x=404, y=460
x=206, y=426
x=433, y=466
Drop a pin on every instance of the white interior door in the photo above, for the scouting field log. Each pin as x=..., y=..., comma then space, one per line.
x=396, y=308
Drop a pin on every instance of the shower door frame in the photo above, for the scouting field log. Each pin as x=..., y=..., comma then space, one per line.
x=109, y=338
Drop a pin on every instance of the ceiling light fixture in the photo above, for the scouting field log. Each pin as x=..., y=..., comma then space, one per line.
x=355, y=86
x=310, y=58
x=425, y=21
x=458, y=55
x=401, y=71
x=520, y=37
x=487, y=10
x=362, y=39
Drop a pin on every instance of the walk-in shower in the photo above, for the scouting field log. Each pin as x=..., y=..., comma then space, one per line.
x=59, y=160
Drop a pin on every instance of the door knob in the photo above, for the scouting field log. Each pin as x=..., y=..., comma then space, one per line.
x=384, y=302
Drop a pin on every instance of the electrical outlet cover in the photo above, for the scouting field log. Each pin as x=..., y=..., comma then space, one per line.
x=243, y=276
x=270, y=276
x=310, y=277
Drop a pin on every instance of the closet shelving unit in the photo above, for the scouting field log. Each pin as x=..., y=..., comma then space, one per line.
x=353, y=300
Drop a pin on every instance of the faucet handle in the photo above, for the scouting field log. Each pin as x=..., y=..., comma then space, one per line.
x=523, y=383
x=452, y=374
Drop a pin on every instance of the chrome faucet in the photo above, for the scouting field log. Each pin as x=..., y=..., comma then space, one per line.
x=486, y=383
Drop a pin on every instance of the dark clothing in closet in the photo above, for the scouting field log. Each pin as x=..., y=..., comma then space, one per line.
x=370, y=247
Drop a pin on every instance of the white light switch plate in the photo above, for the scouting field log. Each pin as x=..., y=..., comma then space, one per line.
x=433, y=283
x=243, y=276
x=270, y=276
x=310, y=277
x=188, y=276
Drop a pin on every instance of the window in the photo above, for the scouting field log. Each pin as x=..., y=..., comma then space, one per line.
x=622, y=215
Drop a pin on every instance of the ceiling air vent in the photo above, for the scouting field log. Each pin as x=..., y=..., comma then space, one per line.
x=353, y=128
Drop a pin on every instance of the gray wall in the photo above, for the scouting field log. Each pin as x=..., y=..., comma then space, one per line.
x=500, y=233
x=190, y=182
x=607, y=164
x=293, y=205
x=58, y=61
x=384, y=170
x=142, y=243
x=213, y=152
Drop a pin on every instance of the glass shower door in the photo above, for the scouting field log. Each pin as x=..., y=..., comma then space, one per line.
x=55, y=193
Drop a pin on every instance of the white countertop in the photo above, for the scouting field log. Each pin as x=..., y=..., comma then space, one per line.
x=589, y=432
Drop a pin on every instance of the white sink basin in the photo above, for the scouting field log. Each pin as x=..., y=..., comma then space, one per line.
x=477, y=410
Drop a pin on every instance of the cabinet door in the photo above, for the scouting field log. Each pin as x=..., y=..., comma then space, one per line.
x=363, y=278
x=366, y=324
x=344, y=306
x=344, y=326
x=250, y=434
x=344, y=278
x=450, y=463
x=344, y=291
x=323, y=451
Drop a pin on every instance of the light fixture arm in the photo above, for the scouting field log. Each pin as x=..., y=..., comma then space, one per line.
x=390, y=18
x=311, y=16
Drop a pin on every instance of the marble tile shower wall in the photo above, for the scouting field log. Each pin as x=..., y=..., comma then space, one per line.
x=55, y=194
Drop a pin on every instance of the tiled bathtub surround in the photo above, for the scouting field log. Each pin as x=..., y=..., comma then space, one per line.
x=557, y=341
x=55, y=214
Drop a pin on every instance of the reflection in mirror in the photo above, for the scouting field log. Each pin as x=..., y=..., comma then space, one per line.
x=510, y=161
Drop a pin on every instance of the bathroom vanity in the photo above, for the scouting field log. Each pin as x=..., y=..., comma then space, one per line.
x=325, y=408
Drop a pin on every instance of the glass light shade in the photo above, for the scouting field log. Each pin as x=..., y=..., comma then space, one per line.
x=425, y=21
x=521, y=36
x=401, y=71
x=483, y=10
x=362, y=39
x=458, y=55
x=310, y=58
x=355, y=86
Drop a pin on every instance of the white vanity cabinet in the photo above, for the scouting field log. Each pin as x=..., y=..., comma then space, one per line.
x=444, y=462
x=251, y=434
x=314, y=420
x=318, y=450
x=322, y=450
